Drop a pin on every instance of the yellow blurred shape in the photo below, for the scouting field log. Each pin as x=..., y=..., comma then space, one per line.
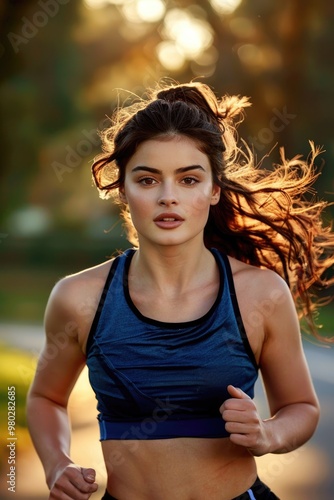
x=225, y=6
x=191, y=35
x=170, y=56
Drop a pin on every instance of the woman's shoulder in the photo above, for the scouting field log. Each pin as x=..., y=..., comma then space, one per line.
x=265, y=302
x=258, y=281
x=80, y=292
x=86, y=278
x=74, y=300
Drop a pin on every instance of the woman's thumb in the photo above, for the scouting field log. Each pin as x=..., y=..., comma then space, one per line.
x=236, y=392
x=88, y=474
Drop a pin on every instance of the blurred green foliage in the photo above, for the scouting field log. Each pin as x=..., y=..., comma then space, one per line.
x=16, y=371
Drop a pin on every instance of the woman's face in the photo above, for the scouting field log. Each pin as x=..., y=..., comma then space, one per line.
x=169, y=189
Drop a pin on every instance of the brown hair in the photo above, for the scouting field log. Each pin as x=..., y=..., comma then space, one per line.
x=264, y=217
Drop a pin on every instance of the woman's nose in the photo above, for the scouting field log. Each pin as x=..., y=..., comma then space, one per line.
x=167, y=196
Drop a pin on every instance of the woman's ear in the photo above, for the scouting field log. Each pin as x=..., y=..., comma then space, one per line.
x=215, y=194
x=121, y=194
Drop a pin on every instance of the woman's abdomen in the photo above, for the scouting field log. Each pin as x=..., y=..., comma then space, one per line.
x=182, y=468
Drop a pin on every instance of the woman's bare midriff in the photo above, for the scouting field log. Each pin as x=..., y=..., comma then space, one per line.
x=180, y=468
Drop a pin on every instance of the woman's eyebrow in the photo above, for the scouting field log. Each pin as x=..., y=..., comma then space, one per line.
x=144, y=168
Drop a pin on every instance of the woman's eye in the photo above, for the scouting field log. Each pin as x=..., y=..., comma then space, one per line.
x=189, y=181
x=147, y=181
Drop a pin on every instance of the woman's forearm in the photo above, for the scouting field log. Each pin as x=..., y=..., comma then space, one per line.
x=291, y=427
x=49, y=428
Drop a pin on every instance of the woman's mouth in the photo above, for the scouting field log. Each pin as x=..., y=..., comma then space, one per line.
x=168, y=221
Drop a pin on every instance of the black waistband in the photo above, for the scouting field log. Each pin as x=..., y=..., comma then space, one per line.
x=211, y=427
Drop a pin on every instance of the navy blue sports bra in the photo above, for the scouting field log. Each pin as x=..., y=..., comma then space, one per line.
x=156, y=380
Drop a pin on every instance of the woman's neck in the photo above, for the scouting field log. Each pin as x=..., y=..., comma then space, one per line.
x=172, y=269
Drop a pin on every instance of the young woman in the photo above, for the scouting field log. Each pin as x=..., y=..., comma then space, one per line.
x=175, y=329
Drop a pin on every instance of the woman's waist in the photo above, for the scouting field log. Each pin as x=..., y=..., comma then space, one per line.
x=183, y=468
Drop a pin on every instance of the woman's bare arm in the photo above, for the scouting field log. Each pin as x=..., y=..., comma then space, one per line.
x=59, y=366
x=292, y=400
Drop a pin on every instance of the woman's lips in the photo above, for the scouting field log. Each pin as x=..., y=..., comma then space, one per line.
x=168, y=221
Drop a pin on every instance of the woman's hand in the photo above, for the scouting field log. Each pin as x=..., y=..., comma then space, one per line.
x=75, y=482
x=243, y=422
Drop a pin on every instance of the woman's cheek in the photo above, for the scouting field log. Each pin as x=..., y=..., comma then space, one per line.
x=201, y=201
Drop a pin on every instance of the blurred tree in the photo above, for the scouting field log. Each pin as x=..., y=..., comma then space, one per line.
x=40, y=72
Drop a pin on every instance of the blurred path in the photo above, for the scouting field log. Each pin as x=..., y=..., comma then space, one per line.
x=305, y=474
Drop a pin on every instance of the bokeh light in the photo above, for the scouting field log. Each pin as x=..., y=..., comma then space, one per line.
x=191, y=35
x=147, y=11
x=96, y=4
x=225, y=6
x=170, y=55
x=151, y=11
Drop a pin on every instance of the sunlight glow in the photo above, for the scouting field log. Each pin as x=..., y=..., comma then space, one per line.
x=191, y=35
x=170, y=56
x=225, y=6
x=98, y=4
x=151, y=11
x=148, y=11
x=186, y=34
x=136, y=11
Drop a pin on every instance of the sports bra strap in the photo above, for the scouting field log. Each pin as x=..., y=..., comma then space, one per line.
x=103, y=296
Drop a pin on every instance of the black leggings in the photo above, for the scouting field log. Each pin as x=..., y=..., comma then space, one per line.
x=259, y=491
